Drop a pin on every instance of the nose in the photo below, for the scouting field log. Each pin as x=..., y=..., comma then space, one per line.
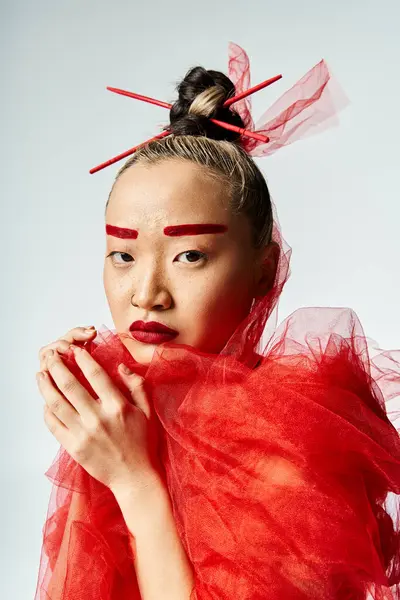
x=150, y=291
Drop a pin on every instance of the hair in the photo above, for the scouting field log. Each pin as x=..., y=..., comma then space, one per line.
x=196, y=139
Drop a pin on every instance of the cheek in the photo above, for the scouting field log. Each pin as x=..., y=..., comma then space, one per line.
x=109, y=288
x=222, y=300
x=116, y=292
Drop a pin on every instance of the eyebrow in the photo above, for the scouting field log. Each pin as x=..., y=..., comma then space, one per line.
x=121, y=232
x=172, y=230
x=194, y=229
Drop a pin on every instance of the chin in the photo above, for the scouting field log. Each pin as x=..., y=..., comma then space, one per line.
x=141, y=353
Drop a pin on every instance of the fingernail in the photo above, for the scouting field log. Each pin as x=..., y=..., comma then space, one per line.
x=89, y=329
x=125, y=369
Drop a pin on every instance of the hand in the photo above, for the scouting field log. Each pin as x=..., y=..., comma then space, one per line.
x=112, y=438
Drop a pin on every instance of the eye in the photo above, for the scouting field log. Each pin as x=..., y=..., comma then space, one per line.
x=193, y=256
x=111, y=255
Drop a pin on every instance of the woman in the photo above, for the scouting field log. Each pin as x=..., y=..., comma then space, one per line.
x=222, y=466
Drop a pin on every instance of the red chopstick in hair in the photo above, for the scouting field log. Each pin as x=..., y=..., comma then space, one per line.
x=244, y=132
x=127, y=152
x=241, y=130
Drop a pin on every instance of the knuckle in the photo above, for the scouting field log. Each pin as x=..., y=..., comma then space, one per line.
x=70, y=336
x=46, y=354
x=43, y=351
x=72, y=333
x=68, y=386
x=82, y=442
x=52, y=346
x=118, y=410
x=138, y=382
x=56, y=405
x=62, y=345
x=93, y=427
x=95, y=371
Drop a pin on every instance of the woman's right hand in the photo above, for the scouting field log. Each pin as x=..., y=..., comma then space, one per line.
x=77, y=334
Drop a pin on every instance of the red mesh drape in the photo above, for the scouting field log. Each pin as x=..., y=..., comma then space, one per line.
x=310, y=106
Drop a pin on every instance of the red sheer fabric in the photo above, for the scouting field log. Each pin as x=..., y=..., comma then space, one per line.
x=284, y=472
x=310, y=106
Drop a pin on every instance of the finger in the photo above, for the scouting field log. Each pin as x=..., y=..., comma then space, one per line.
x=62, y=344
x=101, y=383
x=136, y=385
x=78, y=334
x=55, y=402
x=55, y=426
x=71, y=388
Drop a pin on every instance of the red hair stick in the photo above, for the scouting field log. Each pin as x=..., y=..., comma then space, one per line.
x=244, y=132
x=140, y=97
x=250, y=91
x=127, y=153
x=241, y=130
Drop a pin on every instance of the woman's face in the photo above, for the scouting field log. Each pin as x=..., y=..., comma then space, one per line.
x=197, y=283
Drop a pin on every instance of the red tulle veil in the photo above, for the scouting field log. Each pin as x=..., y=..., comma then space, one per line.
x=281, y=453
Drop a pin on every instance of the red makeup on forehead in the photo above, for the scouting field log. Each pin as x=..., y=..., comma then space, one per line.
x=121, y=232
x=194, y=229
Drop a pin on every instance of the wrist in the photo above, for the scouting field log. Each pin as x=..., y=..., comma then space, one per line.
x=138, y=491
x=144, y=506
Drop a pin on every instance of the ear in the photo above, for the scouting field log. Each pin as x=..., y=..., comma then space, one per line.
x=265, y=270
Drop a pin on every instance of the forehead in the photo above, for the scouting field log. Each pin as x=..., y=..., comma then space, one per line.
x=168, y=192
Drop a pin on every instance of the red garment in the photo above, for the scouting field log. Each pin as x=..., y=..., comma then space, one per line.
x=278, y=473
x=284, y=474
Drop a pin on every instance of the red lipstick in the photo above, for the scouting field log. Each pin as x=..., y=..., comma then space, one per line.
x=151, y=332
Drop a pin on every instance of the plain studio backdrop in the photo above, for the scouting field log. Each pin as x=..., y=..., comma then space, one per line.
x=337, y=193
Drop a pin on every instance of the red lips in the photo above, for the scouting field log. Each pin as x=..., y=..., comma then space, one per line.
x=152, y=326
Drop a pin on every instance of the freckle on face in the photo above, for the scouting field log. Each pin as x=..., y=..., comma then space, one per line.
x=152, y=207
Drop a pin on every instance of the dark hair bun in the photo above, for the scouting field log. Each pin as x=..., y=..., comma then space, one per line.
x=191, y=113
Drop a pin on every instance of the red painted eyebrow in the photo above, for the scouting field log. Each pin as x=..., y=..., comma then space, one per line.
x=121, y=232
x=172, y=230
x=194, y=229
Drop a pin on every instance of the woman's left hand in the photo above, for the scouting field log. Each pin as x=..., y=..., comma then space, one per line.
x=113, y=439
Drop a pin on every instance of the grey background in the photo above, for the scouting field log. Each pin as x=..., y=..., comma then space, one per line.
x=337, y=193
